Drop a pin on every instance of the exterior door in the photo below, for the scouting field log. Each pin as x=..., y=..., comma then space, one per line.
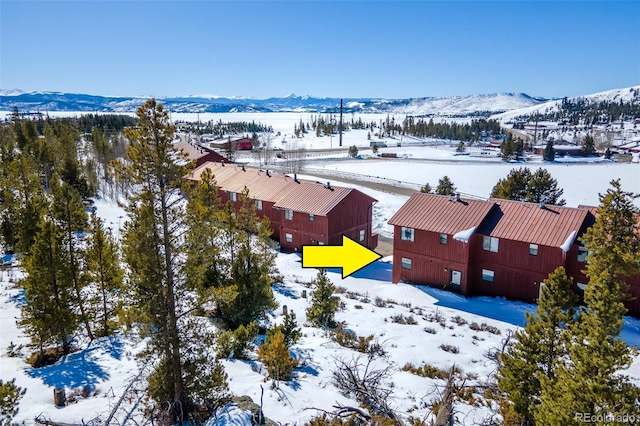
x=456, y=277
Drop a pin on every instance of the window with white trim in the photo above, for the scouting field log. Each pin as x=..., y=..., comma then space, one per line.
x=582, y=254
x=405, y=263
x=258, y=204
x=443, y=239
x=533, y=249
x=406, y=234
x=490, y=244
x=311, y=217
x=487, y=275
x=233, y=196
x=288, y=214
x=288, y=238
x=456, y=277
x=362, y=234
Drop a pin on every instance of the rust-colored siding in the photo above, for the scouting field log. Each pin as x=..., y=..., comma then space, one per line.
x=354, y=213
x=303, y=231
x=431, y=261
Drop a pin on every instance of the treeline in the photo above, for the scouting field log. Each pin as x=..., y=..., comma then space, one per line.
x=581, y=111
x=474, y=131
x=221, y=129
x=107, y=123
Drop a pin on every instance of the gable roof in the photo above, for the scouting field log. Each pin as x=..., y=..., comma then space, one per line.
x=282, y=190
x=196, y=152
x=528, y=222
x=441, y=213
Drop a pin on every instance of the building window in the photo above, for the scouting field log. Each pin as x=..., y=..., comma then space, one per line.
x=456, y=277
x=233, y=196
x=582, y=254
x=406, y=263
x=407, y=234
x=533, y=249
x=490, y=244
x=362, y=233
x=258, y=204
x=288, y=214
x=288, y=238
x=311, y=218
x=487, y=275
x=320, y=243
x=443, y=239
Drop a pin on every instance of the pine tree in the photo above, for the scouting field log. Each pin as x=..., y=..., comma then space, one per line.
x=323, y=303
x=104, y=272
x=426, y=189
x=275, y=356
x=445, y=187
x=353, y=151
x=10, y=396
x=48, y=315
x=153, y=250
x=539, y=348
x=588, y=146
x=542, y=188
x=507, y=149
x=592, y=382
x=514, y=186
x=70, y=216
x=549, y=152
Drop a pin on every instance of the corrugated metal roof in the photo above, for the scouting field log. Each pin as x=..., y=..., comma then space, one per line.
x=306, y=196
x=314, y=198
x=531, y=223
x=440, y=213
x=193, y=152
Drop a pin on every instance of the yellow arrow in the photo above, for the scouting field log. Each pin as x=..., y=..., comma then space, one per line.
x=350, y=256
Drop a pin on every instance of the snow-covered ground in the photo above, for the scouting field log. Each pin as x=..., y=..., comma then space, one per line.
x=370, y=300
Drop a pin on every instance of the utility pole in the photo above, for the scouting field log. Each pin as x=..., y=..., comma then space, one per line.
x=340, y=122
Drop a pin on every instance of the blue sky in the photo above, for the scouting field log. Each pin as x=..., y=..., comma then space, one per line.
x=350, y=49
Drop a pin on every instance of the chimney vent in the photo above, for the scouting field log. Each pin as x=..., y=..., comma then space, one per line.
x=542, y=206
x=222, y=163
x=458, y=197
x=268, y=174
x=295, y=178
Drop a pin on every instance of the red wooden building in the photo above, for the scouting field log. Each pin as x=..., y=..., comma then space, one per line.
x=198, y=154
x=300, y=212
x=495, y=247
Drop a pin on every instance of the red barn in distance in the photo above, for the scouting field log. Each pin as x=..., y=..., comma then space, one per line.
x=300, y=212
x=492, y=247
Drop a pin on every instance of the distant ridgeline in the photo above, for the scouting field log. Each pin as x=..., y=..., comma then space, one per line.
x=587, y=111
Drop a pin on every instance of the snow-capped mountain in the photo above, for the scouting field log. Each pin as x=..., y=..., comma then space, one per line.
x=625, y=95
x=453, y=106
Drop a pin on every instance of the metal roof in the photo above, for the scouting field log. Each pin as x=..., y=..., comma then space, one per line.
x=441, y=213
x=532, y=223
x=301, y=196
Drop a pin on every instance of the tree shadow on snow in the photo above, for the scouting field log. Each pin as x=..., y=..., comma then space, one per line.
x=510, y=311
x=72, y=371
x=285, y=291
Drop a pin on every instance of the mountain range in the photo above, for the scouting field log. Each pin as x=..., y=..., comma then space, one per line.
x=452, y=105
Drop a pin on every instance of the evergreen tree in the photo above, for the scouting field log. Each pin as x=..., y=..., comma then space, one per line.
x=10, y=396
x=445, y=187
x=353, y=151
x=592, y=382
x=289, y=329
x=538, y=349
x=588, y=146
x=153, y=250
x=426, y=189
x=507, y=148
x=549, y=152
x=104, y=272
x=542, y=188
x=48, y=315
x=514, y=186
x=275, y=356
x=71, y=218
x=323, y=303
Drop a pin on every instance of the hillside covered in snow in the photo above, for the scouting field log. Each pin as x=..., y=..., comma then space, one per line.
x=452, y=105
